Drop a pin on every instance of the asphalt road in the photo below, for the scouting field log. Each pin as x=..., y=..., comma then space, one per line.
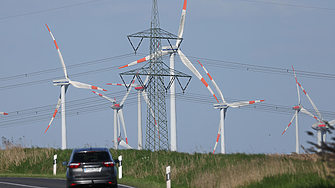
x=36, y=183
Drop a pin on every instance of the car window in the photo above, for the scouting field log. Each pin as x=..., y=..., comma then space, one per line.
x=91, y=157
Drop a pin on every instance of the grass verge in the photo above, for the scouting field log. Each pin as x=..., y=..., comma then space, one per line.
x=147, y=169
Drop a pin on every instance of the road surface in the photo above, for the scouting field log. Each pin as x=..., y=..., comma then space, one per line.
x=36, y=183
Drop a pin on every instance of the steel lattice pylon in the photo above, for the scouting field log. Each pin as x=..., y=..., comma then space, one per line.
x=155, y=71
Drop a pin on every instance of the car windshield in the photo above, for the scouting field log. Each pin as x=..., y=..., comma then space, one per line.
x=91, y=157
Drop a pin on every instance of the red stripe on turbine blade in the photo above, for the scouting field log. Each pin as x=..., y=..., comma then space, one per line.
x=204, y=82
x=305, y=92
x=299, y=84
x=94, y=87
x=210, y=77
x=315, y=118
x=216, y=98
x=322, y=125
x=119, y=84
x=141, y=60
x=156, y=123
x=56, y=45
x=104, y=90
x=200, y=63
x=292, y=67
x=251, y=102
x=217, y=138
x=100, y=95
x=296, y=80
x=283, y=133
x=213, y=151
x=47, y=129
x=54, y=115
x=5, y=113
x=123, y=66
x=127, y=140
x=261, y=100
x=47, y=27
x=185, y=4
x=289, y=124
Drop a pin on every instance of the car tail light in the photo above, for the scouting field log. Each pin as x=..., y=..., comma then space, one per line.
x=109, y=164
x=74, y=165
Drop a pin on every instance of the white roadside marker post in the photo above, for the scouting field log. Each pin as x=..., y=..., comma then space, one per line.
x=55, y=165
x=120, y=166
x=168, y=177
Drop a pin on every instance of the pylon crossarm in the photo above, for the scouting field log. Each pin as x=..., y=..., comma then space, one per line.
x=138, y=45
x=184, y=88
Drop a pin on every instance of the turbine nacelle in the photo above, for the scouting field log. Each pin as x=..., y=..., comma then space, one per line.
x=61, y=82
x=221, y=106
x=298, y=107
x=170, y=49
x=320, y=125
x=116, y=106
x=141, y=88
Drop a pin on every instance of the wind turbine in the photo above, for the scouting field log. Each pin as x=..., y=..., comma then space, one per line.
x=64, y=83
x=140, y=90
x=3, y=113
x=223, y=110
x=298, y=108
x=118, y=115
x=172, y=50
x=321, y=125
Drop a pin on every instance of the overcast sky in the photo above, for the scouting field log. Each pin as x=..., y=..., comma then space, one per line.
x=235, y=39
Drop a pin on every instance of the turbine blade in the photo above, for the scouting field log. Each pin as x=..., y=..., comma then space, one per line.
x=217, y=138
x=190, y=66
x=55, y=113
x=3, y=113
x=123, y=124
x=85, y=86
x=310, y=100
x=182, y=23
x=332, y=122
x=243, y=103
x=214, y=83
x=125, y=97
x=105, y=97
x=59, y=54
x=122, y=143
x=115, y=84
x=146, y=99
x=296, y=81
x=148, y=57
x=294, y=116
x=303, y=110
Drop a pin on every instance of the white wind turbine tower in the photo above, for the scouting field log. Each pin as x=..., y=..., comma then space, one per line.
x=140, y=90
x=321, y=125
x=64, y=83
x=298, y=108
x=172, y=50
x=223, y=109
x=118, y=116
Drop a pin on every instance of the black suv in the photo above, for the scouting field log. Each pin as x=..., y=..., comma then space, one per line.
x=90, y=167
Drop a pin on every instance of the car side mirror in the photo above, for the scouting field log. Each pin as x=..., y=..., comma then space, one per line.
x=64, y=163
x=116, y=161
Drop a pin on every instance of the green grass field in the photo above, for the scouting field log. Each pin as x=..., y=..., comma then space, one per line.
x=147, y=169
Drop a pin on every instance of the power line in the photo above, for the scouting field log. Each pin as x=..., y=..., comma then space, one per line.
x=95, y=104
x=47, y=10
x=290, y=5
x=205, y=61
